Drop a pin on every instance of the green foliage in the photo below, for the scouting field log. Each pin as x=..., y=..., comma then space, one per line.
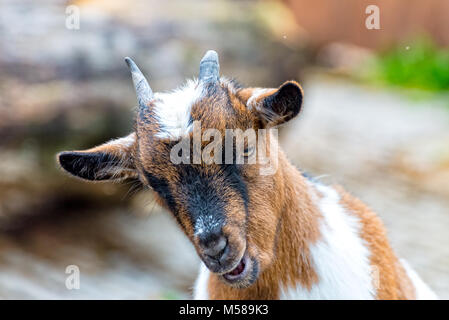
x=170, y=295
x=420, y=64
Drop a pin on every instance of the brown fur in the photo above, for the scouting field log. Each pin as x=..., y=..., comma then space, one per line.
x=393, y=281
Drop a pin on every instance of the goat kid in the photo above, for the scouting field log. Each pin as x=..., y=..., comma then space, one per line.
x=259, y=236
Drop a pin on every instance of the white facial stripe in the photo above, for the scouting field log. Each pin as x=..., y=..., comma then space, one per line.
x=173, y=109
x=340, y=258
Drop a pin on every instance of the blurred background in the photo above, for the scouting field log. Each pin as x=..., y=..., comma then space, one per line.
x=376, y=120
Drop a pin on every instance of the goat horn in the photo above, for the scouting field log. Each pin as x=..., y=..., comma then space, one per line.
x=143, y=89
x=209, y=67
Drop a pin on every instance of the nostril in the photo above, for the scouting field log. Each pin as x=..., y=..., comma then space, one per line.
x=214, y=248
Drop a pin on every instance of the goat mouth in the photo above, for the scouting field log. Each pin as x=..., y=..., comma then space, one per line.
x=240, y=272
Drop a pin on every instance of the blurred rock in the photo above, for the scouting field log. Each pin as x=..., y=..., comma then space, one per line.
x=166, y=39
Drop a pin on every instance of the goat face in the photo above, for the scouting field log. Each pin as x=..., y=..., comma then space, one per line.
x=228, y=209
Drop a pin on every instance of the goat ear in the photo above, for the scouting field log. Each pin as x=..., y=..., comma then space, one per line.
x=276, y=106
x=109, y=161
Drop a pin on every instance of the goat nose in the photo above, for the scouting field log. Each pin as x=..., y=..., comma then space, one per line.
x=213, y=244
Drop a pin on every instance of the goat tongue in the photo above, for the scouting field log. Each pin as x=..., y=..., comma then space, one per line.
x=238, y=270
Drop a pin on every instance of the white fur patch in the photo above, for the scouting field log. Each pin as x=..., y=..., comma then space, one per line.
x=422, y=290
x=200, y=289
x=340, y=258
x=172, y=109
